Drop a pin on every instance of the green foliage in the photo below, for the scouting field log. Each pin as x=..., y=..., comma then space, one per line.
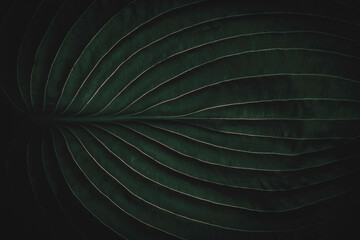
x=155, y=119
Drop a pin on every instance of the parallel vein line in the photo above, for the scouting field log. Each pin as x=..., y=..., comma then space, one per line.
x=53, y=192
x=245, y=103
x=102, y=193
x=143, y=200
x=126, y=35
x=58, y=51
x=69, y=186
x=203, y=180
x=242, y=78
x=232, y=149
x=247, y=14
x=165, y=186
x=83, y=51
x=186, y=50
x=202, y=45
x=229, y=56
x=227, y=166
x=182, y=216
x=38, y=49
x=261, y=135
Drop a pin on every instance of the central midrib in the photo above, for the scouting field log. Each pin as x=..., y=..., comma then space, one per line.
x=43, y=118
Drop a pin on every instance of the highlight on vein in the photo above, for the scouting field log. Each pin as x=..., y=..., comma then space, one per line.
x=182, y=119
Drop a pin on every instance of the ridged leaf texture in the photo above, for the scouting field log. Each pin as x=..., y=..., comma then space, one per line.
x=182, y=119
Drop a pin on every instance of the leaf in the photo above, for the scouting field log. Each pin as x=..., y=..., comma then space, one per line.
x=184, y=119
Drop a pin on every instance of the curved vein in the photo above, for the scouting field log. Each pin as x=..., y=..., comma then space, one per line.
x=266, y=101
x=84, y=50
x=186, y=50
x=138, y=197
x=232, y=149
x=200, y=179
x=227, y=166
x=260, y=135
x=61, y=45
x=53, y=191
x=241, y=103
x=38, y=49
x=126, y=35
x=102, y=193
x=179, y=215
x=247, y=14
x=232, y=55
x=162, y=185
